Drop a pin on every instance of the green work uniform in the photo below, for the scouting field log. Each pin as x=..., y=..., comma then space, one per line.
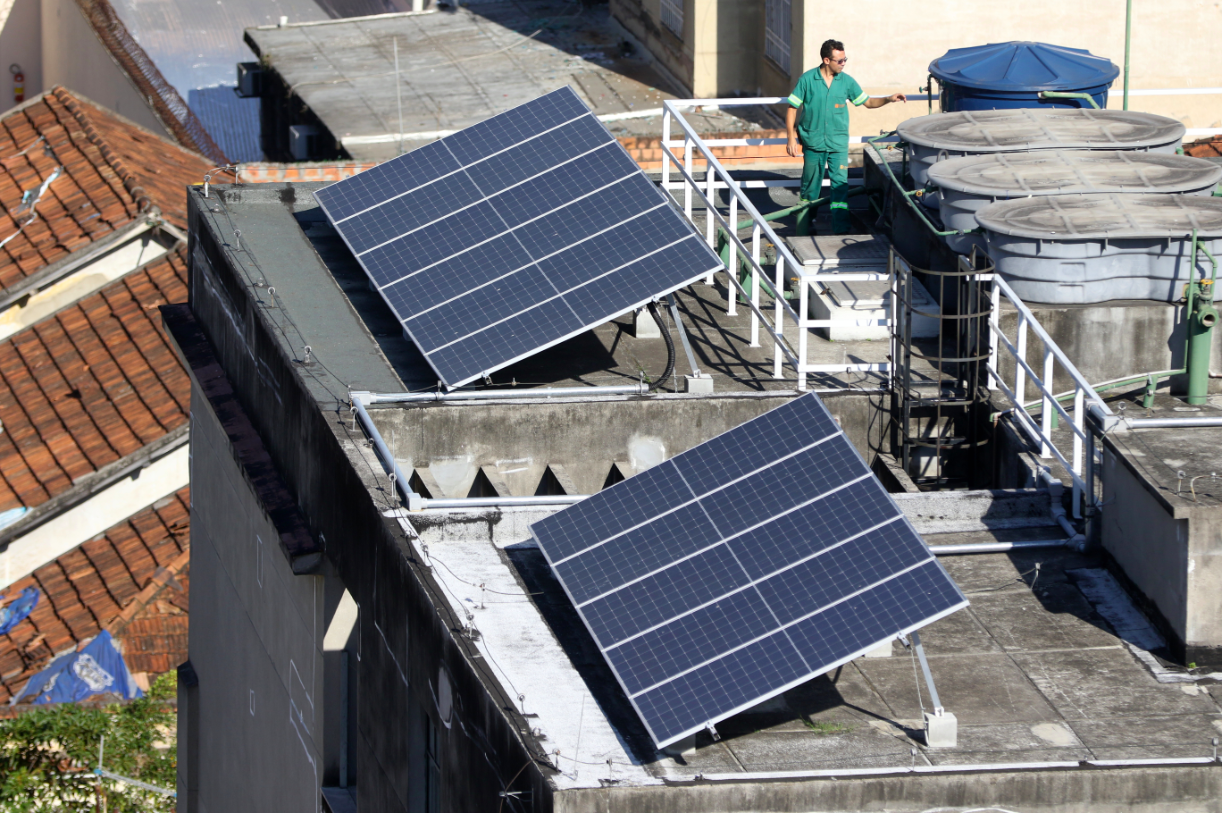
x=823, y=131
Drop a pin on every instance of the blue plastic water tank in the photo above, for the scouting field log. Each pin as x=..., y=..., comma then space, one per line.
x=1005, y=75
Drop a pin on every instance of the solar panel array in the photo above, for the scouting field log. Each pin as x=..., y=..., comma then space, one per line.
x=513, y=235
x=742, y=567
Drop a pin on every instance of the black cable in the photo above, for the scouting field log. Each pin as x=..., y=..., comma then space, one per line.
x=670, y=347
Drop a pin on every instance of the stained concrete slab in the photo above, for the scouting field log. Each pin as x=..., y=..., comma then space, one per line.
x=1106, y=683
x=860, y=745
x=957, y=634
x=1190, y=732
x=961, y=680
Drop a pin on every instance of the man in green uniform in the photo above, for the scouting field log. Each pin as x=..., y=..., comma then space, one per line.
x=822, y=97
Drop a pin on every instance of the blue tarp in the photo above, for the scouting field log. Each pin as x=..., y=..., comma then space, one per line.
x=18, y=609
x=96, y=669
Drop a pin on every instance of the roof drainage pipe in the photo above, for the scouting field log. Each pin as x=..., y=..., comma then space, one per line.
x=1000, y=547
x=368, y=398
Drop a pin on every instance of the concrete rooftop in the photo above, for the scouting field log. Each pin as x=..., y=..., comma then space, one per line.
x=460, y=66
x=1051, y=663
x=300, y=255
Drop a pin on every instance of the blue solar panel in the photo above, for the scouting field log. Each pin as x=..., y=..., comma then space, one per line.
x=744, y=566
x=513, y=235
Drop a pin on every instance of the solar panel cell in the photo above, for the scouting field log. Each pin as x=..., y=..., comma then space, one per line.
x=385, y=181
x=539, y=155
x=515, y=126
x=689, y=583
x=472, y=215
x=638, y=552
x=691, y=640
x=741, y=567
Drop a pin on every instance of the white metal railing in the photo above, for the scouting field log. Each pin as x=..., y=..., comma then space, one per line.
x=717, y=177
x=1080, y=465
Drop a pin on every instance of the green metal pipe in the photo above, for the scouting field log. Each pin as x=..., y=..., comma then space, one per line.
x=1202, y=316
x=1056, y=94
x=907, y=195
x=1128, y=36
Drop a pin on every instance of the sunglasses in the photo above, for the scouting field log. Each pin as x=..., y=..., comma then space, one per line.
x=839, y=61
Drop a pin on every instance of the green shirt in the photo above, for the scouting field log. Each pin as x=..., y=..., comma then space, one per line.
x=824, y=110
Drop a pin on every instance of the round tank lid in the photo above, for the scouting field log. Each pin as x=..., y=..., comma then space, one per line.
x=1060, y=172
x=1029, y=128
x=1023, y=66
x=1098, y=217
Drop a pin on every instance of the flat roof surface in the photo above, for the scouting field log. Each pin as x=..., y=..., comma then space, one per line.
x=1034, y=670
x=460, y=66
x=350, y=328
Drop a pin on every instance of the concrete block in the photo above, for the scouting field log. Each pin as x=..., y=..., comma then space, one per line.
x=883, y=650
x=684, y=747
x=644, y=326
x=857, y=301
x=698, y=383
x=941, y=730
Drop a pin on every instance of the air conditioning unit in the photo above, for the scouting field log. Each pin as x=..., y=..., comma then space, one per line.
x=250, y=79
x=303, y=141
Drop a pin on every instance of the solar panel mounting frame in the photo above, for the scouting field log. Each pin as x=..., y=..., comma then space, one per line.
x=667, y=203
x=664, y=741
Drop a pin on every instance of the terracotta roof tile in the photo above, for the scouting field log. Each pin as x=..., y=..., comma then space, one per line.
x=1205, y=148
x=86, y=588
x=90, y=385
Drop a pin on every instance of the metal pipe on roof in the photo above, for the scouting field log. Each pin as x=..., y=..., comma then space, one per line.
x=999, y=547
x=494, y=395
x=1170, y=423
x=401, y=482
x=502, y=502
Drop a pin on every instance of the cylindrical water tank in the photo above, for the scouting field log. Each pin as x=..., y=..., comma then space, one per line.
x=966, y=185
x=948, y=135
x=1004, y=75
x=1083, y=249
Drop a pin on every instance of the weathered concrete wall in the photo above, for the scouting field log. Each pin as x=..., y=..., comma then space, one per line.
x=643, y=20
x=1171, y=552
x=1098, y=791
x=406, y=635
x=255, y=642
x=515, y=442
x=21, y=42
x=73, y=57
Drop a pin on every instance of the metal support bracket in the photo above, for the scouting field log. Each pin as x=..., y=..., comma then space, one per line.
x=933, y=691
x=672, y=302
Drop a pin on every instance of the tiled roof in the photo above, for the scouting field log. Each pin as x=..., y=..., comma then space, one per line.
x=90, y=385
x=1205, y=148
x=111, y=169
x=87, y=588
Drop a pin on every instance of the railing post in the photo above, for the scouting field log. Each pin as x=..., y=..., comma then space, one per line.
x=803, y=288
x=1046, y=413
x=1079, y=421
x=994, y=329
x=710, y=221
x=665, y=149
x=778, y=318
x=755, y=285
x=732, y=265
x=687, y=165
x=1020, y=375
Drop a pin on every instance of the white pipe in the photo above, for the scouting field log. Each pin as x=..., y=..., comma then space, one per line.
x=379, y=445
x=495, y=395
x=1169, y=423
x=501, y=502
x=1056, y=488
x=849, y=773
x=998, y=547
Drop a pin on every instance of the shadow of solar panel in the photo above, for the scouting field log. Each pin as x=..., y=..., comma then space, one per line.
x=513, y=235
x=743, y=567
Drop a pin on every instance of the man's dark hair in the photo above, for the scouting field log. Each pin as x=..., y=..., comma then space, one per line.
x=825, y=52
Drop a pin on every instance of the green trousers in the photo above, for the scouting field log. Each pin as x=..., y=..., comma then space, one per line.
x=815, y=164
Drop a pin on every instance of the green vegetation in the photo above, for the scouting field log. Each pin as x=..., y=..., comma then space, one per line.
x=47, y=755
x=824, y=727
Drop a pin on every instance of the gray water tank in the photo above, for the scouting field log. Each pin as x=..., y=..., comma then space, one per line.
x=967, y=184
x=1082, y=249
x=940, y=136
